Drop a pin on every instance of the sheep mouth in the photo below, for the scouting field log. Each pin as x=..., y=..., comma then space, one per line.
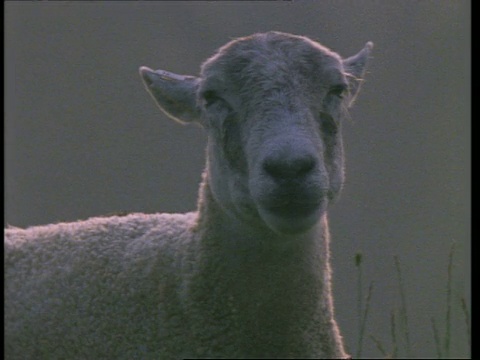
x=290, y=209
x=292, y=215
x=293, y=208
x=286, y=203
x=292, y=218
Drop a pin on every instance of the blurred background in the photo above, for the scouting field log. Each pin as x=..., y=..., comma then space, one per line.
x=83, y=138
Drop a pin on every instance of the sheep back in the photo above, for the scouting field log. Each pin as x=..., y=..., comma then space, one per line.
x=104, y=286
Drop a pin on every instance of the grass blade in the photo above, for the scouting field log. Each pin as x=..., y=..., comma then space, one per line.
x=364, y=318
x=394, y=335
x=437, y=339
x=379, y=346
x=467, y=323
x=358, y=264
x=449, y=301
x=403, y=310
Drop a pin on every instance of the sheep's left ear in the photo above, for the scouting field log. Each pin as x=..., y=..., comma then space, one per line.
x=174, y=94
x=355, y=67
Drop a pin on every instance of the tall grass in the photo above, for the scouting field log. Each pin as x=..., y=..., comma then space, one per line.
x=403, y=308
x=449, y=302
x=362, y=313
x=393, y=335
x=444, y=352
x=467, y=322
x=399, y=325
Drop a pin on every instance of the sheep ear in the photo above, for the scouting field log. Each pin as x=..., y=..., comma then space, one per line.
x=355, y=67
x=174, y=94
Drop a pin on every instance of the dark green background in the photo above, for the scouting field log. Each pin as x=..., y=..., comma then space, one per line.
x=84, y=138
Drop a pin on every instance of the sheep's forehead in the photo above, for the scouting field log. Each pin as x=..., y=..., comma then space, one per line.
x=272, y=60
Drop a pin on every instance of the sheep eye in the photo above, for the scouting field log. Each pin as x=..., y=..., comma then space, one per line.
x=338, y=91
x=211, y=98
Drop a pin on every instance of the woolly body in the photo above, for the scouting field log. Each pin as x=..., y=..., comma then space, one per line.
x=246, y=276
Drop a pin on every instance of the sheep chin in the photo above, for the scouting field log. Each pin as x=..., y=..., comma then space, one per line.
x=289, y=222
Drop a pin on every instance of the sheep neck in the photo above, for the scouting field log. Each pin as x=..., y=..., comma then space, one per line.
x=271, y=287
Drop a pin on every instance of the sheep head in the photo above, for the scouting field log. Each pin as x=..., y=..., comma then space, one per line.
x=272, y=105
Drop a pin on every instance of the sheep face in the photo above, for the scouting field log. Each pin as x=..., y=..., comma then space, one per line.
x=272, y=105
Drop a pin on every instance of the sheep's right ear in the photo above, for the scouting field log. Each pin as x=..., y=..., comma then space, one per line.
x=174, y=94
x=355, y=67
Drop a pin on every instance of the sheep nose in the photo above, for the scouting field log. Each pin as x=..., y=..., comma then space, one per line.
x=289, y=167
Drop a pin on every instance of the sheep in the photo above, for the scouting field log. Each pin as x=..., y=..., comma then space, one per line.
x=248, y=274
